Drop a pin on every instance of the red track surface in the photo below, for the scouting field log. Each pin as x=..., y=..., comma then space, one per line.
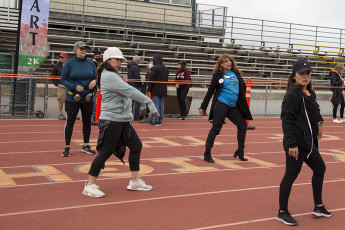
x=42, y=190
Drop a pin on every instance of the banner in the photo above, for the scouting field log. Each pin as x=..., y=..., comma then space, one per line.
x=33, y=43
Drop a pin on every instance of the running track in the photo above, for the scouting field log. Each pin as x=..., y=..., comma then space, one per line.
x=42, y=190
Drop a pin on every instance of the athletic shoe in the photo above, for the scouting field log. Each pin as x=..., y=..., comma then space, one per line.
x=286, y=218
x=184, y=118
x=93, y=191
x=321, y=212
x=77, y=97
x=87, y=149
x=66, y=152
x=61, y=117
x=157, y=124
x=336, y=121
x=180, y=117
x=138, y=185
x=342, y=120
x=144, y=120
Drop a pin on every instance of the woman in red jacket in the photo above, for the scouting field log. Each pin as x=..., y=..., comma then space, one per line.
x=183, y=74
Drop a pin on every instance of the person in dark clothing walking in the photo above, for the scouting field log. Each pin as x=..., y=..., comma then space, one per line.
x=61, y=93
x=183, y=74
x=158, y=91
x=133, y=74
x=78, y=75
x=337, y=84
x=229, y=100
x=302, y=128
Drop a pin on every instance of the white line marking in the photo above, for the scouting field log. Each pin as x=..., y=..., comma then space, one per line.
x=152, y=199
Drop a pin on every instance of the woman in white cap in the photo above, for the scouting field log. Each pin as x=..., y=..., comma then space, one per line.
x=115, y=123
x=78, y=75
x=302, y=128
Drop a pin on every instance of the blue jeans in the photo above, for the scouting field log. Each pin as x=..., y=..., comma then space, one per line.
x=159, y=103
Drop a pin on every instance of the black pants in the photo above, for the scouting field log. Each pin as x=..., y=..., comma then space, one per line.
x=220, y=111
x=72, y=109
x=111, y=139
x=335, y=108
x=293, y=168
x=181, y=97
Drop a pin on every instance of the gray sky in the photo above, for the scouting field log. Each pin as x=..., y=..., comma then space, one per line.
x=329, y=13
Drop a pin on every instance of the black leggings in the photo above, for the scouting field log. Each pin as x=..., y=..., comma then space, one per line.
x=111, y=139
x=181, y=97
x=72, y=109
x=335, y=108
x=293, y=168
x=220, y=111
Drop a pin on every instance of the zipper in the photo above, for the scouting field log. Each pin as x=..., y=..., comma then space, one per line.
x=311, y=131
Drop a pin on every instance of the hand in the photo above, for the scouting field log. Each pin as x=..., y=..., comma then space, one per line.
x=293, y=152
x=177, y=86
x=202, y=112
x=320, y=133
x=92, y=84
x=79, y=88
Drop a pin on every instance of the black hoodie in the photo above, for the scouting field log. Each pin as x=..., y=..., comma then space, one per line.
x=133, y=72
x=158, y=73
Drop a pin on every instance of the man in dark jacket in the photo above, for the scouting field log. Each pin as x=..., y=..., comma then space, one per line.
x=133, y=74
x=158, y=91
x=61, y=95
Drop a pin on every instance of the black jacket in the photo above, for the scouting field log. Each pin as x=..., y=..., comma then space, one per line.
x=56, y=71
x=158, y=73
x=133, y=72
x=335, y=80
x=215, y=88
x=296, y=129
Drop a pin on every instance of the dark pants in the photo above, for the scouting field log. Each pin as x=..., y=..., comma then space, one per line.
x=111, y=139
x=181, y=97
x=72, y=109
x=293, y=168
x=335, y=108
x=220, y=111
x=136, y=106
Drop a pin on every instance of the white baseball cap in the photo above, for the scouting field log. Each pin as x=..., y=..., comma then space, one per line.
x=113, y=52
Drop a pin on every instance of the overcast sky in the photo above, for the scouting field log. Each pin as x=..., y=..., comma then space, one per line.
x=329, y=13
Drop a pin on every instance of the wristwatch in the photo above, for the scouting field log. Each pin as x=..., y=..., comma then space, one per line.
x=320, y=123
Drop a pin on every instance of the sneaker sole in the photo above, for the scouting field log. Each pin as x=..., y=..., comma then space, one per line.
x=92, y=195
x=138, y=189
x=321, y=214
x=88, y=152
x=66, y=155
x=283, y=221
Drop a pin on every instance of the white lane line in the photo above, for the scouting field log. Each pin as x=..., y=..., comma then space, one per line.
x=152, y=199
x=257, y=220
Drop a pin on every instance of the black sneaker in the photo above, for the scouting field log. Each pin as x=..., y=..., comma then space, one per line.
x=286, y=218
x=66, y=152
x=321, y=212
x=87, y=149
x=184, y=118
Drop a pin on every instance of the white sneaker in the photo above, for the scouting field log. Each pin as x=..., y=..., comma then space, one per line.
x=336, y=121
x=138, y=185
x=93, y=191
x=342, y=120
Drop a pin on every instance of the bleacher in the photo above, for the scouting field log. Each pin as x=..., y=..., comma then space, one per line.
x=199, y=49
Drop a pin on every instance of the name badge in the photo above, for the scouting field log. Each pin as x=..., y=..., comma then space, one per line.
x=226, y=76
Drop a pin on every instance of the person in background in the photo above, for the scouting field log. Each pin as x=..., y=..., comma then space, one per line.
x=302, y=128
x=115, y=123
x=337, y=84
x=61, y=93
x=229, y=100
x=97, y=60
x=158, y=91
x=146, y=118
x=183, y=74
x=78, y=75
x=133, y=73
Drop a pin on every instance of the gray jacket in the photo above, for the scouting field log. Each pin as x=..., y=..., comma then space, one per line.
x=117, y=98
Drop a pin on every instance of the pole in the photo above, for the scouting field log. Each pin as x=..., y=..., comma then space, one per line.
x=249, y=87
x=15, y=68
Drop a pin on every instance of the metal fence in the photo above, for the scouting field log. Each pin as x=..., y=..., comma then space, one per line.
x=35, y=97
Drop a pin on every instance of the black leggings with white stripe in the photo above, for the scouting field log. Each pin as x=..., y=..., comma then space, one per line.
x=72, y=109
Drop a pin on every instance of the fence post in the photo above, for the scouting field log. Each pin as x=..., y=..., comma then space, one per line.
x=248, y=89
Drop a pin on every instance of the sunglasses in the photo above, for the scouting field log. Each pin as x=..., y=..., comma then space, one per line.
x=83, y=48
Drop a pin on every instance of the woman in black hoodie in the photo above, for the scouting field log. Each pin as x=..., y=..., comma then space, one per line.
x=302, y=127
